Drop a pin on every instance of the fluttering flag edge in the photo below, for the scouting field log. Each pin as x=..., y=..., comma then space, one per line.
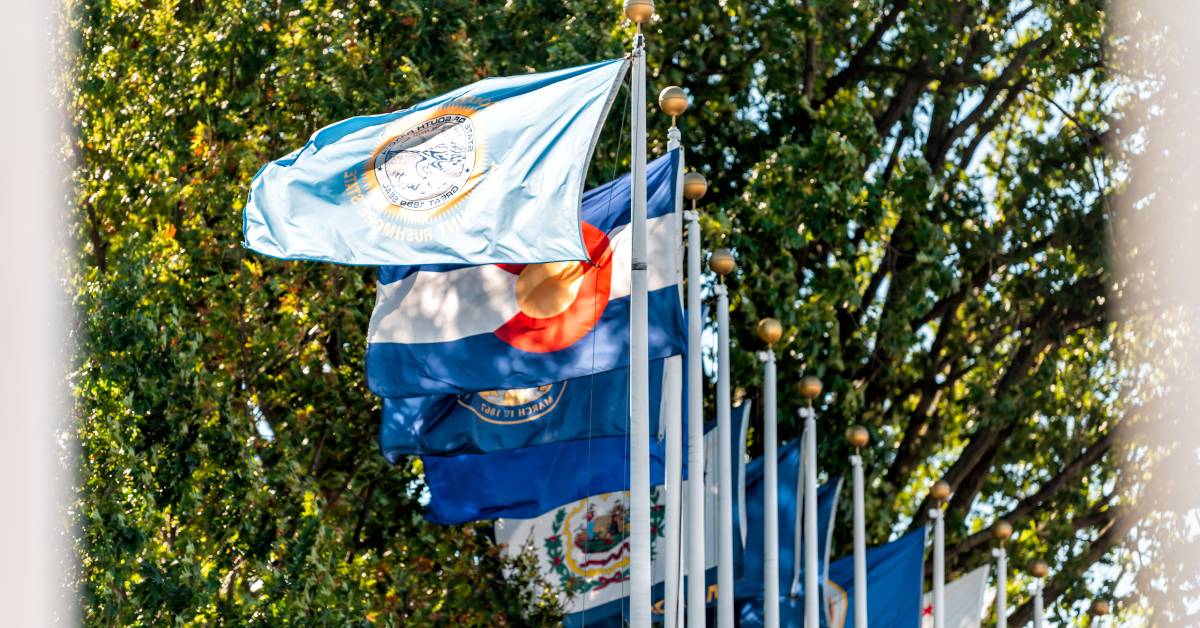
x=580, y=253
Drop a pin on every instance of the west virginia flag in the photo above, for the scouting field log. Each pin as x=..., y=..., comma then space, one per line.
x=488, y=173
x=456, y=330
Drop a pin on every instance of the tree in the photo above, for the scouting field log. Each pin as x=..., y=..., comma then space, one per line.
x=915, y=188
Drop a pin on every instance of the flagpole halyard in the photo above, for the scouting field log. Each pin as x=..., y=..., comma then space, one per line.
x=641, y=578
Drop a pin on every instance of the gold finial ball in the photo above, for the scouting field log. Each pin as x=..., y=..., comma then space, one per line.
x=940, y=491
x=769, y=331
x=639, y=11
x=1100, y=607
x=694, y=186
x=810, y=387
x=1002, y=530
x=1038, y=568
x=857, y=436
x=673, y=101
x=721, y=262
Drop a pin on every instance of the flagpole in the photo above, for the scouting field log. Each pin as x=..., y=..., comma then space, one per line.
x=1001, y=532
x=640, y=575
x=673, y=102
x=769, y=331
x=672, y=391
x=810, y=387
x=939, y=492
x=1038, y=569
x=722, y=263
x=1098, y=609
x=694, y=187
x=857, y=437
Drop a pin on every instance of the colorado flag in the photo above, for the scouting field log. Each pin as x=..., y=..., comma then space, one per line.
x=456, y=330
x=488, y=173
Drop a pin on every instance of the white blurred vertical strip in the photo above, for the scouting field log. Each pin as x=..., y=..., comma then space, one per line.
x=1155, y=223
x=34, y=539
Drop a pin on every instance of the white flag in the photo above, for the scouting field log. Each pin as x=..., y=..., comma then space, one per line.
x=964, y=601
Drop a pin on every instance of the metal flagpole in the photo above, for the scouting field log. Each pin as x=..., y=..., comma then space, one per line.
x=769, y=331
x=694, y=187
x=1001, y=531
x=857, y=437
x=672, y=416
x=1038, y=569
x=722, y=263
x=640, y=575
x=939, y=493
x=810, y=387
x=673, y=102
x=1039, y=612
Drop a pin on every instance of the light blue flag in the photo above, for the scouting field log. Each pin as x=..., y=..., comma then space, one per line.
x=488, y=173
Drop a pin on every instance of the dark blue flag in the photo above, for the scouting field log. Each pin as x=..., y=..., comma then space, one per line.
x=592, y=406
x=895, y=572
x=894, y=575
x=524, y=483
x=791, y=524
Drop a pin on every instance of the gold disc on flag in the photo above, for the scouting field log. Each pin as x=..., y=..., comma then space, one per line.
x=545, y=290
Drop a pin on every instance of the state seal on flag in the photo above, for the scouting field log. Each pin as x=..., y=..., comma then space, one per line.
x=426, y=163
x=512, y=407
x=589, y=547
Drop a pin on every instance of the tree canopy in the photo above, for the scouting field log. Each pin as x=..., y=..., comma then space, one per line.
x=918, y=189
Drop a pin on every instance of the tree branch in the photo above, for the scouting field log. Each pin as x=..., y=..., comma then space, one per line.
x=1032, y=503
x=1120, y=521
x=856, y=68
x=99, y=244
